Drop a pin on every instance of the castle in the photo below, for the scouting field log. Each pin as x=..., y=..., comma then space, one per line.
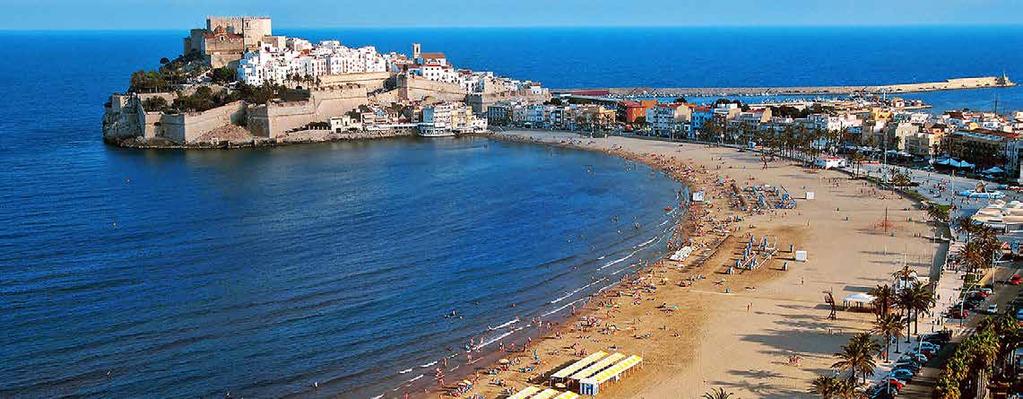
x=226, y=39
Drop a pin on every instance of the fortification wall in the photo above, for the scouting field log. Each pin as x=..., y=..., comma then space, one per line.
x=122, y=120
x=413, y=88
x=275, y=119
x=370, y=80
x=185, y=128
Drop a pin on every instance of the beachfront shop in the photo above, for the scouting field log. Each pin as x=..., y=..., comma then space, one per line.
x=588, y=374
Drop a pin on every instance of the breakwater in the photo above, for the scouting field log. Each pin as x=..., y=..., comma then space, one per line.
x=948, y=84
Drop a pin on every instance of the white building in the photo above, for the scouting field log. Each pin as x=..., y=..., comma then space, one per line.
x=669, y=119
x=450, y=117
x=271, y=64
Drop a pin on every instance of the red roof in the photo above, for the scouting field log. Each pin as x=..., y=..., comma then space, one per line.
x=998, y=133
x=433, y=56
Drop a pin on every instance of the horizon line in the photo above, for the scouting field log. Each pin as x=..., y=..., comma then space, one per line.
x=623, y=26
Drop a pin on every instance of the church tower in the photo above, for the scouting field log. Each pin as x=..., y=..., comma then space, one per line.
x=416, y=51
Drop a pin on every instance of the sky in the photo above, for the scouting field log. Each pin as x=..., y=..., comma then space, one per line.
x=184, y=14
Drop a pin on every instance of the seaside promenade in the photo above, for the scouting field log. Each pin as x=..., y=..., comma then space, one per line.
x=740, y=331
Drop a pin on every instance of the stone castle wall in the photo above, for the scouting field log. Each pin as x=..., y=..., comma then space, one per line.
x=370, y=80
x=414, y=88
x=187, y=127
x=276, y=119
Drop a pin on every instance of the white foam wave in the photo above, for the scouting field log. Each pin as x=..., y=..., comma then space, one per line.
x=428, y=364
x=563, y=307
x=506, y=324
x=569, y=295
x=495, y=339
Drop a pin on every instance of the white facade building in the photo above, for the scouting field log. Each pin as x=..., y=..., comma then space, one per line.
x=275, y=65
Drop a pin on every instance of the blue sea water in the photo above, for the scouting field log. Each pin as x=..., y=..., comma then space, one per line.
x=127, y=273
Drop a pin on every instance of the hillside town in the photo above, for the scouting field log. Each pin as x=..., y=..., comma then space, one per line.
x=236, y=83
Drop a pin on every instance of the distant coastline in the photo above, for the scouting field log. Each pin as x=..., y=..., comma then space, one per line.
x=901, y=88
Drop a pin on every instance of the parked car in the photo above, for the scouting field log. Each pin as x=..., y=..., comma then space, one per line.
x=992, y=308
x=959, y=313
x=895, y=382
x=1015, y=279
x=930, y=345
x=1019, y=314
x=901, y=374
x=940, y=337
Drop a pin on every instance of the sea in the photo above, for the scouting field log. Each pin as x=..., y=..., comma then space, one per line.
x=358, y=269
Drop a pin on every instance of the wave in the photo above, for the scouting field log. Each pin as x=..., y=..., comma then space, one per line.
x=413, y=379
x=495, y=339
x=506, y=324
x=405, y=371
x=637, y=248
x=563, y=307
x=428, y=364
x=644, y=243
x=569, y=295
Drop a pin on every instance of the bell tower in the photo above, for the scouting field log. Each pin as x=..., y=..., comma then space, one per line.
x=416, y=51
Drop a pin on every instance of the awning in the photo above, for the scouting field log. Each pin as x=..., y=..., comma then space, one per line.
x=859, y=298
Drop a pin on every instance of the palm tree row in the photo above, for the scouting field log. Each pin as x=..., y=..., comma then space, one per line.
x=910, y=301
x=978, y=355
x=857, y=357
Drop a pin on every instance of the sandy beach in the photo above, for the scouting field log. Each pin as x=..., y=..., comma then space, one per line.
x=699, y=328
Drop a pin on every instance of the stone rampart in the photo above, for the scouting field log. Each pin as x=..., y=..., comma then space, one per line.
x=186, y=127
x=414, y=88
x=276, y=118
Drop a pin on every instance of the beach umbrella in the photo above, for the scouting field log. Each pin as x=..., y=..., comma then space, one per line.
x=994, y=170
x=966, y=165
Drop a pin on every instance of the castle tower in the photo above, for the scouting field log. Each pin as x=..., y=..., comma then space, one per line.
x=416, y=51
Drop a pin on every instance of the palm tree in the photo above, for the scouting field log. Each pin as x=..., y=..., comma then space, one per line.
x=889, y=326
x=857, y=356
x=830, y=387
x=717, y=393
x=939, y=214
x=826, y=386
x=965, y=224
x=884, y=299
x=857, y=160
x=907, y=299
x=923, y=300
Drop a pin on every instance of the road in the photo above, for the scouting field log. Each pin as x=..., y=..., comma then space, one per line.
x=923, y=384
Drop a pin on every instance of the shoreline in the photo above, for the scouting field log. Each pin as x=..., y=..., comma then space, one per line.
x=488, y=352
x=703, y=330
x=684, y=228
x=262, y=142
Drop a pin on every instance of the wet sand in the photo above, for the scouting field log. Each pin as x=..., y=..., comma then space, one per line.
x=734, y=331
